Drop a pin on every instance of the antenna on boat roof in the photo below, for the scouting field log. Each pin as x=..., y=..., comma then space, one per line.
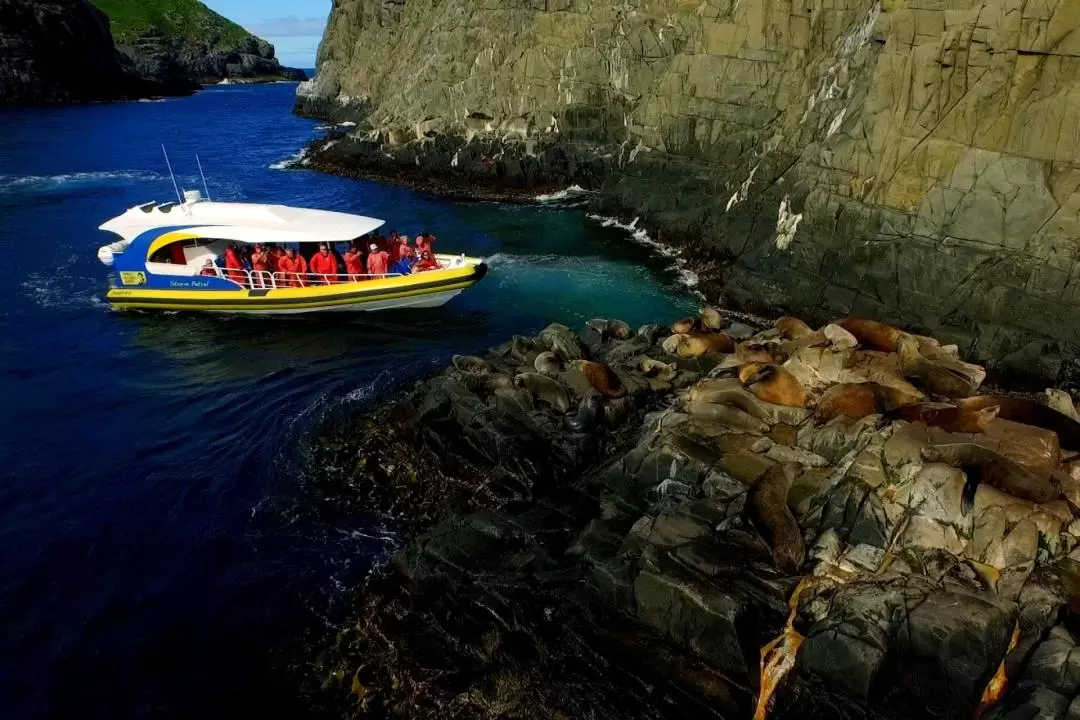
x=176, y=187
x=205, y=188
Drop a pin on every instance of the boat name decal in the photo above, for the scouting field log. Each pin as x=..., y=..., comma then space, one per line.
x=189, y=283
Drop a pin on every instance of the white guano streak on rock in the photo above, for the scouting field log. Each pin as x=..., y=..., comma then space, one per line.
x=743, y=191
x=787, y=224
x=836, y=123
x=829, y=87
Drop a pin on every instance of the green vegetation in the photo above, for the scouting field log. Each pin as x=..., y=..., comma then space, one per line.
x=173, y=18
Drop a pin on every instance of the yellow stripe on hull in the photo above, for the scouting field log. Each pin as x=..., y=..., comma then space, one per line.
x=312, y=298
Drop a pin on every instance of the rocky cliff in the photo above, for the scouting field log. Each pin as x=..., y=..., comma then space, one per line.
x=59, y=51
x=181, y=44
x=917, y=161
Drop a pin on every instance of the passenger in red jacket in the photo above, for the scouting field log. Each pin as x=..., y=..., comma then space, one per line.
x=234, y=265
x=427, y=262
x=354, y=263
x=292, y=270
x=324, y=266
x=404, y=250
x=425, y=242
x=378, y=261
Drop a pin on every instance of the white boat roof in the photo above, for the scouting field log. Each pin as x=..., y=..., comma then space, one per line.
x=243, y=222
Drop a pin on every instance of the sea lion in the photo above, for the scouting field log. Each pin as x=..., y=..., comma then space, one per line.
x=982, y=465
x=872, y=334
x=750, y=351
x=521, y=347
x=1029, y=412
x=472, y=364
x=698, y=344
x=792, y=328
x=686, y=326
x=947, y=417
x=1062, y=402
x=586, y=417
x=650, y=368
x=934, y=377
x=839, y=338
x=602, y=378
x=616, y=410
x=711, y=319
x=618, y=330
x=560, y=340
x=652, y=333
x=728, y=392
x=774, y=519
x=545, y=389
x=773, y=384
x=547, y=363
x=857, y=400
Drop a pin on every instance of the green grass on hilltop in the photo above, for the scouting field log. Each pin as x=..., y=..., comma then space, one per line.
x=174, y=18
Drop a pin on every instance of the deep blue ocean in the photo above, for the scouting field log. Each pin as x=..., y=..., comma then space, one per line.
x=160, y=554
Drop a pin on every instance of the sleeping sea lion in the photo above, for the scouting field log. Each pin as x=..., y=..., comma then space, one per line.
x=1029, y=412
x=948, y=418
x=857, y=400
x=686, y=325
x=471, y=364
x=618, y=330
x=774, y=519
x=773, y=384
x=982, y=465
x=1062, y=402
x=711, y=319
x=616, y=410
x=586, y=417
x=545, y=389
x=750, y=351
x=602, y=378
x=547, y=363
x=560, y=340
x=871, y=334
x=792, y=328
x=727, y=392
x=936, y=378
x=697, y=344
x=650, y=368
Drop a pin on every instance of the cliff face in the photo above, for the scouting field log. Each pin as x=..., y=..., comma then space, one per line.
x=58, y=51
x=915, y=161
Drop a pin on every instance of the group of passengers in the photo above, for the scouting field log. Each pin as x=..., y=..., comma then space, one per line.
x=366, y=258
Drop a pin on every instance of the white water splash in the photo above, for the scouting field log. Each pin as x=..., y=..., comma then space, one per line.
x=570, y=193
x=639, y=235
x=299, y=158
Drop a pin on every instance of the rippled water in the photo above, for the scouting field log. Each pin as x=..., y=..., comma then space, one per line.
x=160, y=554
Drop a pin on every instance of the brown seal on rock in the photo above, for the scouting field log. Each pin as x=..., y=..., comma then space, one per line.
x=773, y=384
x=711, y=319
x=697, y=344
x=617, y=330
x=616, y=410
x=686, y=326
x=560, y=340
x=655, y=369
x=521, y=347
x=872, y=334
x=750, y=351
x=947, y=417
x=472, y=364
x=934, y=377
x=982, y=465
x=857, y=400
x=545, y=389
x=774, y=519
x=1029, y=412
x=547, y=363
x=602, y=378
x=792, y=328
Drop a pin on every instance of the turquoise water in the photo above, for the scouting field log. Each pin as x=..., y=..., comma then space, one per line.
x=162, y=554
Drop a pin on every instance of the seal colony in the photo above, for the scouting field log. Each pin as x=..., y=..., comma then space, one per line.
x=642, y=505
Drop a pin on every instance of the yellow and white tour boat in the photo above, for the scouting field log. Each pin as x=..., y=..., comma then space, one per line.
x=168, y=257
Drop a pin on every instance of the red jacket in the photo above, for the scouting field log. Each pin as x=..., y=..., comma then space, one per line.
x=425, y=244
x=378, y=262
x=292, y=271
x=423, y=265
x=324, y=265
x=354, y=264
x=234, y=266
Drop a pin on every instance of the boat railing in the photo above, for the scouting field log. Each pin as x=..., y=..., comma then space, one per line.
x=266, y=280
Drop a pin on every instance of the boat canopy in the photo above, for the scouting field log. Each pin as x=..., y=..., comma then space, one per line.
x=242, y=222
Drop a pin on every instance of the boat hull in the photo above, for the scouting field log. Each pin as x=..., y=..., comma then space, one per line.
x=425, y=290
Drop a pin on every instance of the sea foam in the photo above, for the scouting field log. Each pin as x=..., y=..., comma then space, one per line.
x=639, y=235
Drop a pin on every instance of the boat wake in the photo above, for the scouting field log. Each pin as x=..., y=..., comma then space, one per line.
x=53, y=292
x=639, y=235
x=55, y=183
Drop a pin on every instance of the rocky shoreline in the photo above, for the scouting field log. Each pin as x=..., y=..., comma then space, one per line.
x=617, y=523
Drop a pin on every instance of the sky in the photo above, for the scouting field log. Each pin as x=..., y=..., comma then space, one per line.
x=295, y=27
